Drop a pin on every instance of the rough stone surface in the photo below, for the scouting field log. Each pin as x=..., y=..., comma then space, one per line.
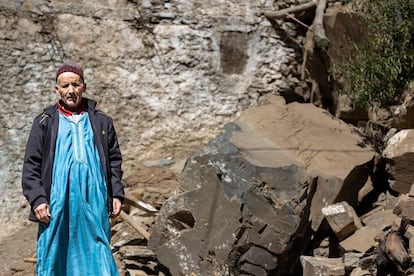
x=222, y=238
x=329, y=149
x=351, y=260
x=381, y=219
x=246, y=191
x=342, y=219
x=322, y=266
x=399, y=152
x=362, y=240
x=169, y=72
x=405, y=207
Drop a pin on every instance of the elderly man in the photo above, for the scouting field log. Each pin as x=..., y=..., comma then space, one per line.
x=72, y=180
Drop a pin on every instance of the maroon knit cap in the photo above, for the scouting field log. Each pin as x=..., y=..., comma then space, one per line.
x=70, y=66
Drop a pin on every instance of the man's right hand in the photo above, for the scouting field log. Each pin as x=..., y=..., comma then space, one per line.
x=42, y=213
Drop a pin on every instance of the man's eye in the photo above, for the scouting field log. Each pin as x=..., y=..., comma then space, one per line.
x=65, y=86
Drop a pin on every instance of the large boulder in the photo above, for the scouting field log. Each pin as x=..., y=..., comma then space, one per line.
x=251, y=197
x=399, y=153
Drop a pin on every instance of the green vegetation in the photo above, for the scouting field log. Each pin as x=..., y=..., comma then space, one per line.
x=381, y=67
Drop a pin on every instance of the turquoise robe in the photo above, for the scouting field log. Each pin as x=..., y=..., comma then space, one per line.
x=76, y=240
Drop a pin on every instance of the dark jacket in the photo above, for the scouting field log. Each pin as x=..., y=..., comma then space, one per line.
x=40, y=153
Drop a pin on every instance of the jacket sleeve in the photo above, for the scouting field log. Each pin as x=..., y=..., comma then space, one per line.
x=115, y=162
x=32, y=167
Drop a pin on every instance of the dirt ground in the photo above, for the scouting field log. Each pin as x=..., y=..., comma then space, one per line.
x=15, y=248
x=152, y=185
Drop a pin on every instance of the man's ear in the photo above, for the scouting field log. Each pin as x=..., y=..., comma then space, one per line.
x=84, y=86
x=57, y=92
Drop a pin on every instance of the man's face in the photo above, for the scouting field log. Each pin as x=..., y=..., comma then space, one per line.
x=70, y=88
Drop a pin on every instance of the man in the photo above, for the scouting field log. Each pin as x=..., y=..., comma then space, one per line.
x=72, y=180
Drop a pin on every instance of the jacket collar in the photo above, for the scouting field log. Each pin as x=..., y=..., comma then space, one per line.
x=89, y=106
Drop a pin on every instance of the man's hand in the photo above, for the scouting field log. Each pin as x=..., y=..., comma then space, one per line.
x=117, y=206
x=42, y=213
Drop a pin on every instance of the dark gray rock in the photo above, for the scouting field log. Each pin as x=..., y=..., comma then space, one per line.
x=244, y=220
x=249, y=196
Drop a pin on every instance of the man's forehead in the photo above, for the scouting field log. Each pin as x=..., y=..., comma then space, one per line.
x=69, y=76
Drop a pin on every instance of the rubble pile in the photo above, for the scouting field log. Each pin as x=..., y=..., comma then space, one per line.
x=289, y=190
x=131, y=230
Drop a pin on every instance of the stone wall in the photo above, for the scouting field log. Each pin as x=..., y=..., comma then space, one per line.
x=170, y=73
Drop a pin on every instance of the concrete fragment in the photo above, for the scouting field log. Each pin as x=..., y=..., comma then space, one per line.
x=321, y=266
x=342, y=219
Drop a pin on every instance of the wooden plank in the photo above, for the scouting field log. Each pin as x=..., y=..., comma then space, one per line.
x=137, y=252
x=318, y=29
x=284, y=12
x=129, y=200
x=135, y=225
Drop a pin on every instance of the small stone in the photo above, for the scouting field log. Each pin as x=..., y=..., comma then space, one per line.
x=342, y=219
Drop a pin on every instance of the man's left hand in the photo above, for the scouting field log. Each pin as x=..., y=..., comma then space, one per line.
x=117, y=206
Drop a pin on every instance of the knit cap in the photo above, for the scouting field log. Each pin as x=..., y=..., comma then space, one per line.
x=70, y=66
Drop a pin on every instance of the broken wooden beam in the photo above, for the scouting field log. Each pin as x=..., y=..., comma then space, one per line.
x=135, y=225
x=137, y=252
x=284, y=12
x=129, y=200
x=319, y=34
